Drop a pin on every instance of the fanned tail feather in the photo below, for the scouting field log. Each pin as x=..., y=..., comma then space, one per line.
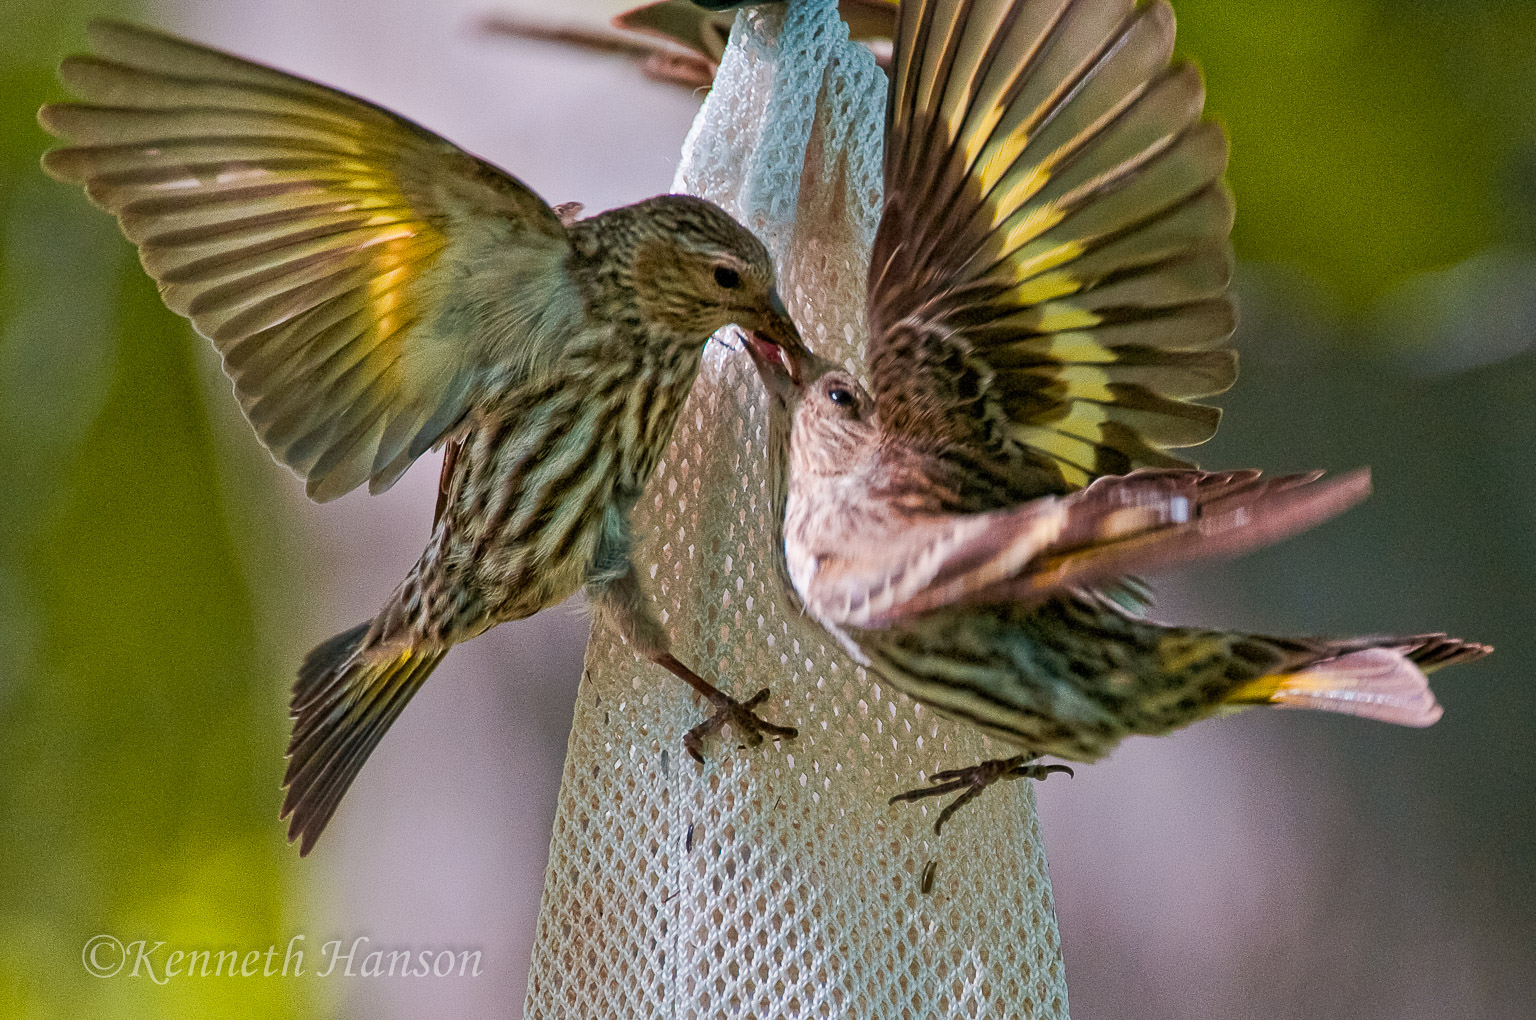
x=345, y=699
x=1375, y=678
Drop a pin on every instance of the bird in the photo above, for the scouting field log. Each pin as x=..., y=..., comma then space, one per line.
x=1047, y=297
x=682, y=41
x=375, y=292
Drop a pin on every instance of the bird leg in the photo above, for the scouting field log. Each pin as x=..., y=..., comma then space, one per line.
x=738, y=714
x=977, y=778
x=624, y=607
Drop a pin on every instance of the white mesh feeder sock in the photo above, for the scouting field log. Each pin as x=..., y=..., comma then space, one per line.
x=776, y=881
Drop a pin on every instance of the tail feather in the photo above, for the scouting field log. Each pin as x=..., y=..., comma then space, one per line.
x=1376, y=678
x=1376, y=683
x=323, y=662
x=345, y=700
x=1435, y=651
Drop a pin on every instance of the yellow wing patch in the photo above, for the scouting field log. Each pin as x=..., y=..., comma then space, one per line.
x=301, y=230
x=1067, y=247
x=1027, y=266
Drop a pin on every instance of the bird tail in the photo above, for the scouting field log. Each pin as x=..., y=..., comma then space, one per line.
x=346, y=697
x=1377, y=678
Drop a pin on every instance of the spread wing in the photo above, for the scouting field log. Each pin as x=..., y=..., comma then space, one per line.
x=869, y=577
x=1056, y=544
x=1051, y=267
x=364, y=280
x=1154, y=519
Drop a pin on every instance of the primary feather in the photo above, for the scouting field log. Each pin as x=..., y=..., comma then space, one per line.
x=1049, y=277
x=366, y=282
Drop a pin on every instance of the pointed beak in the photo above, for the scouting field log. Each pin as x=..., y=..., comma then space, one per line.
x=776, y=348
x=772, y=360
x=782, y=328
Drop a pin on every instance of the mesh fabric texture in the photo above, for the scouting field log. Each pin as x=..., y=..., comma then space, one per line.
x=776, y=881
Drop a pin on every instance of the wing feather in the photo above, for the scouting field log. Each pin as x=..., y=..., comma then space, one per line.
x=338, y=256
x=1058, y=544
x=1052, y=265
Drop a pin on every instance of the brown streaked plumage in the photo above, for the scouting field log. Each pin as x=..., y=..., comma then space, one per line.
x=1009, y=619
x=375, y=292
x=1047, y=293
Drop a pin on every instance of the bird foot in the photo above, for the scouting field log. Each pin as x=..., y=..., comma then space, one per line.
x=744, y=722
x=971, y=781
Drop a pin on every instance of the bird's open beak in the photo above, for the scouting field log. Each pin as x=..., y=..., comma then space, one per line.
x=770, y=358
x=777, y=348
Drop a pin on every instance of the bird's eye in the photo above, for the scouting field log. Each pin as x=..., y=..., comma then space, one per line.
x=727, y=277
x=841, y=396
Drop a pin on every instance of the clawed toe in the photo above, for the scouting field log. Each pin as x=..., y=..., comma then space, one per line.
x=744, y=722
x=971, y=781
x=740, y=715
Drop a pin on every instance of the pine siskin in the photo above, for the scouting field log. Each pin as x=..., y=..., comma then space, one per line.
x=375, y=292
x=682, y=41
x=1048, y=287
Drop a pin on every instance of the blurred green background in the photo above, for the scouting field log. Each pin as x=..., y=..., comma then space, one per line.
x=140, y=714
x=153, y=576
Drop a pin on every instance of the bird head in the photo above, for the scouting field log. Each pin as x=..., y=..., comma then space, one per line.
x=819, y=421
x=696, y=270
x=816, y=409
x=834, y=423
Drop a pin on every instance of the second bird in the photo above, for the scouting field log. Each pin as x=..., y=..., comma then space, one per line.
x=1047, y=292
